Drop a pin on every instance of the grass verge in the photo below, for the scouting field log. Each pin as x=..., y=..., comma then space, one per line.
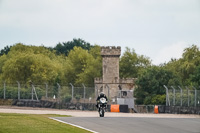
x=31, y=123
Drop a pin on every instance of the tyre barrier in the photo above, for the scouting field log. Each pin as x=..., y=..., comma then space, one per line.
x=119, y=108
x=6, y=102
x=114, y=108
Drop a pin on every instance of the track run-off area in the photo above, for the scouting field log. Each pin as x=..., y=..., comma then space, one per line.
x=118, y=122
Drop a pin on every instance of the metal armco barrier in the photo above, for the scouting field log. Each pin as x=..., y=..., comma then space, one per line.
x=178, y=110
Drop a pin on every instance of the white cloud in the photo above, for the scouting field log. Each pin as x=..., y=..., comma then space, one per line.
x=172, y=51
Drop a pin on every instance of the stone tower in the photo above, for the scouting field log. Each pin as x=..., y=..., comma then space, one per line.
x=110, y=64
x=111, y=83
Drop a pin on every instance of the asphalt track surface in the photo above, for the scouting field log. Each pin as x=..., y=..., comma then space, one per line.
x=119, y=122
x=136, y=125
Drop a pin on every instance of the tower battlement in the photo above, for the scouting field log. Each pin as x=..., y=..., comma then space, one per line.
x=127, y=80
x=98, y=80
x=111, y=51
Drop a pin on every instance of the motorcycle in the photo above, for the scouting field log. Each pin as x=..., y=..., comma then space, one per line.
x=102, y=105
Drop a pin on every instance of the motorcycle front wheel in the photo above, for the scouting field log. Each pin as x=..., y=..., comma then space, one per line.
x=101, y=112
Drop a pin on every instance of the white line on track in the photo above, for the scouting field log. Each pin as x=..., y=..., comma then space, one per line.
x=73, y=125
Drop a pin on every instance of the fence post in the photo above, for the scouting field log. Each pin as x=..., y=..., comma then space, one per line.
x=195, y=96
x=46, y=85
x=72, y=91
x=188, y=96
x=167, y=96
x=18, y=90
x=59, y=100
x=33, y=89
x=96, y=87
x=174, y=95
x=195, y=102
x=58, y=91
x=84, y=92
x=4, y=90
x=181, y=95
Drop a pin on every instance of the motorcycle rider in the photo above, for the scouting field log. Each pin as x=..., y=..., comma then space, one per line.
x=101, y=95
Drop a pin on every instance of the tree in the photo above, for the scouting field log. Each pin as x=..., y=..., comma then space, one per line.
x=190, y=60
x=66, y=47
x=150, y=85
x=195, y=78
x=3, y=59
x=185, y=67
x=30, y=63
x=132, y=64
x=5, y=50
x=82, y=67
x=93, y=68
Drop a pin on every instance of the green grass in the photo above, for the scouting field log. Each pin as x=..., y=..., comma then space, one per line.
x=29, y=123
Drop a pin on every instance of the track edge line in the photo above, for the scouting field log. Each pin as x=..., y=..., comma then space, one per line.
x=72, y=125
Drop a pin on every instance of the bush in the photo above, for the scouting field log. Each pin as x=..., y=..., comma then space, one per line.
x=67, y=98
x=78, y=97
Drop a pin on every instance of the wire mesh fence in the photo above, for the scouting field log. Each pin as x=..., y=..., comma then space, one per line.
x=57, y=92
x=182, y=96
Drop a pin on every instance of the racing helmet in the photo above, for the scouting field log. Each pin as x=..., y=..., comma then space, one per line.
x=101, y=94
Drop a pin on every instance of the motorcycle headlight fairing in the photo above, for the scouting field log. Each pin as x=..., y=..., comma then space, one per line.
x=102, y=100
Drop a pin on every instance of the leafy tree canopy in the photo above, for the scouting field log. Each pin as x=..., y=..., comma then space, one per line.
x=83, y=67
x=150, y=83
x=131, y=64
x=65, y=47
x=186, y=67
x=30, y=63
x=5, y=50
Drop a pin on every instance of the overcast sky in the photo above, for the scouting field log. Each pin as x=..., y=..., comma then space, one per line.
x=159, y=29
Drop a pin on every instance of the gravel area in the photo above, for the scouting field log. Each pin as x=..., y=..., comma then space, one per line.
x=78, y=113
